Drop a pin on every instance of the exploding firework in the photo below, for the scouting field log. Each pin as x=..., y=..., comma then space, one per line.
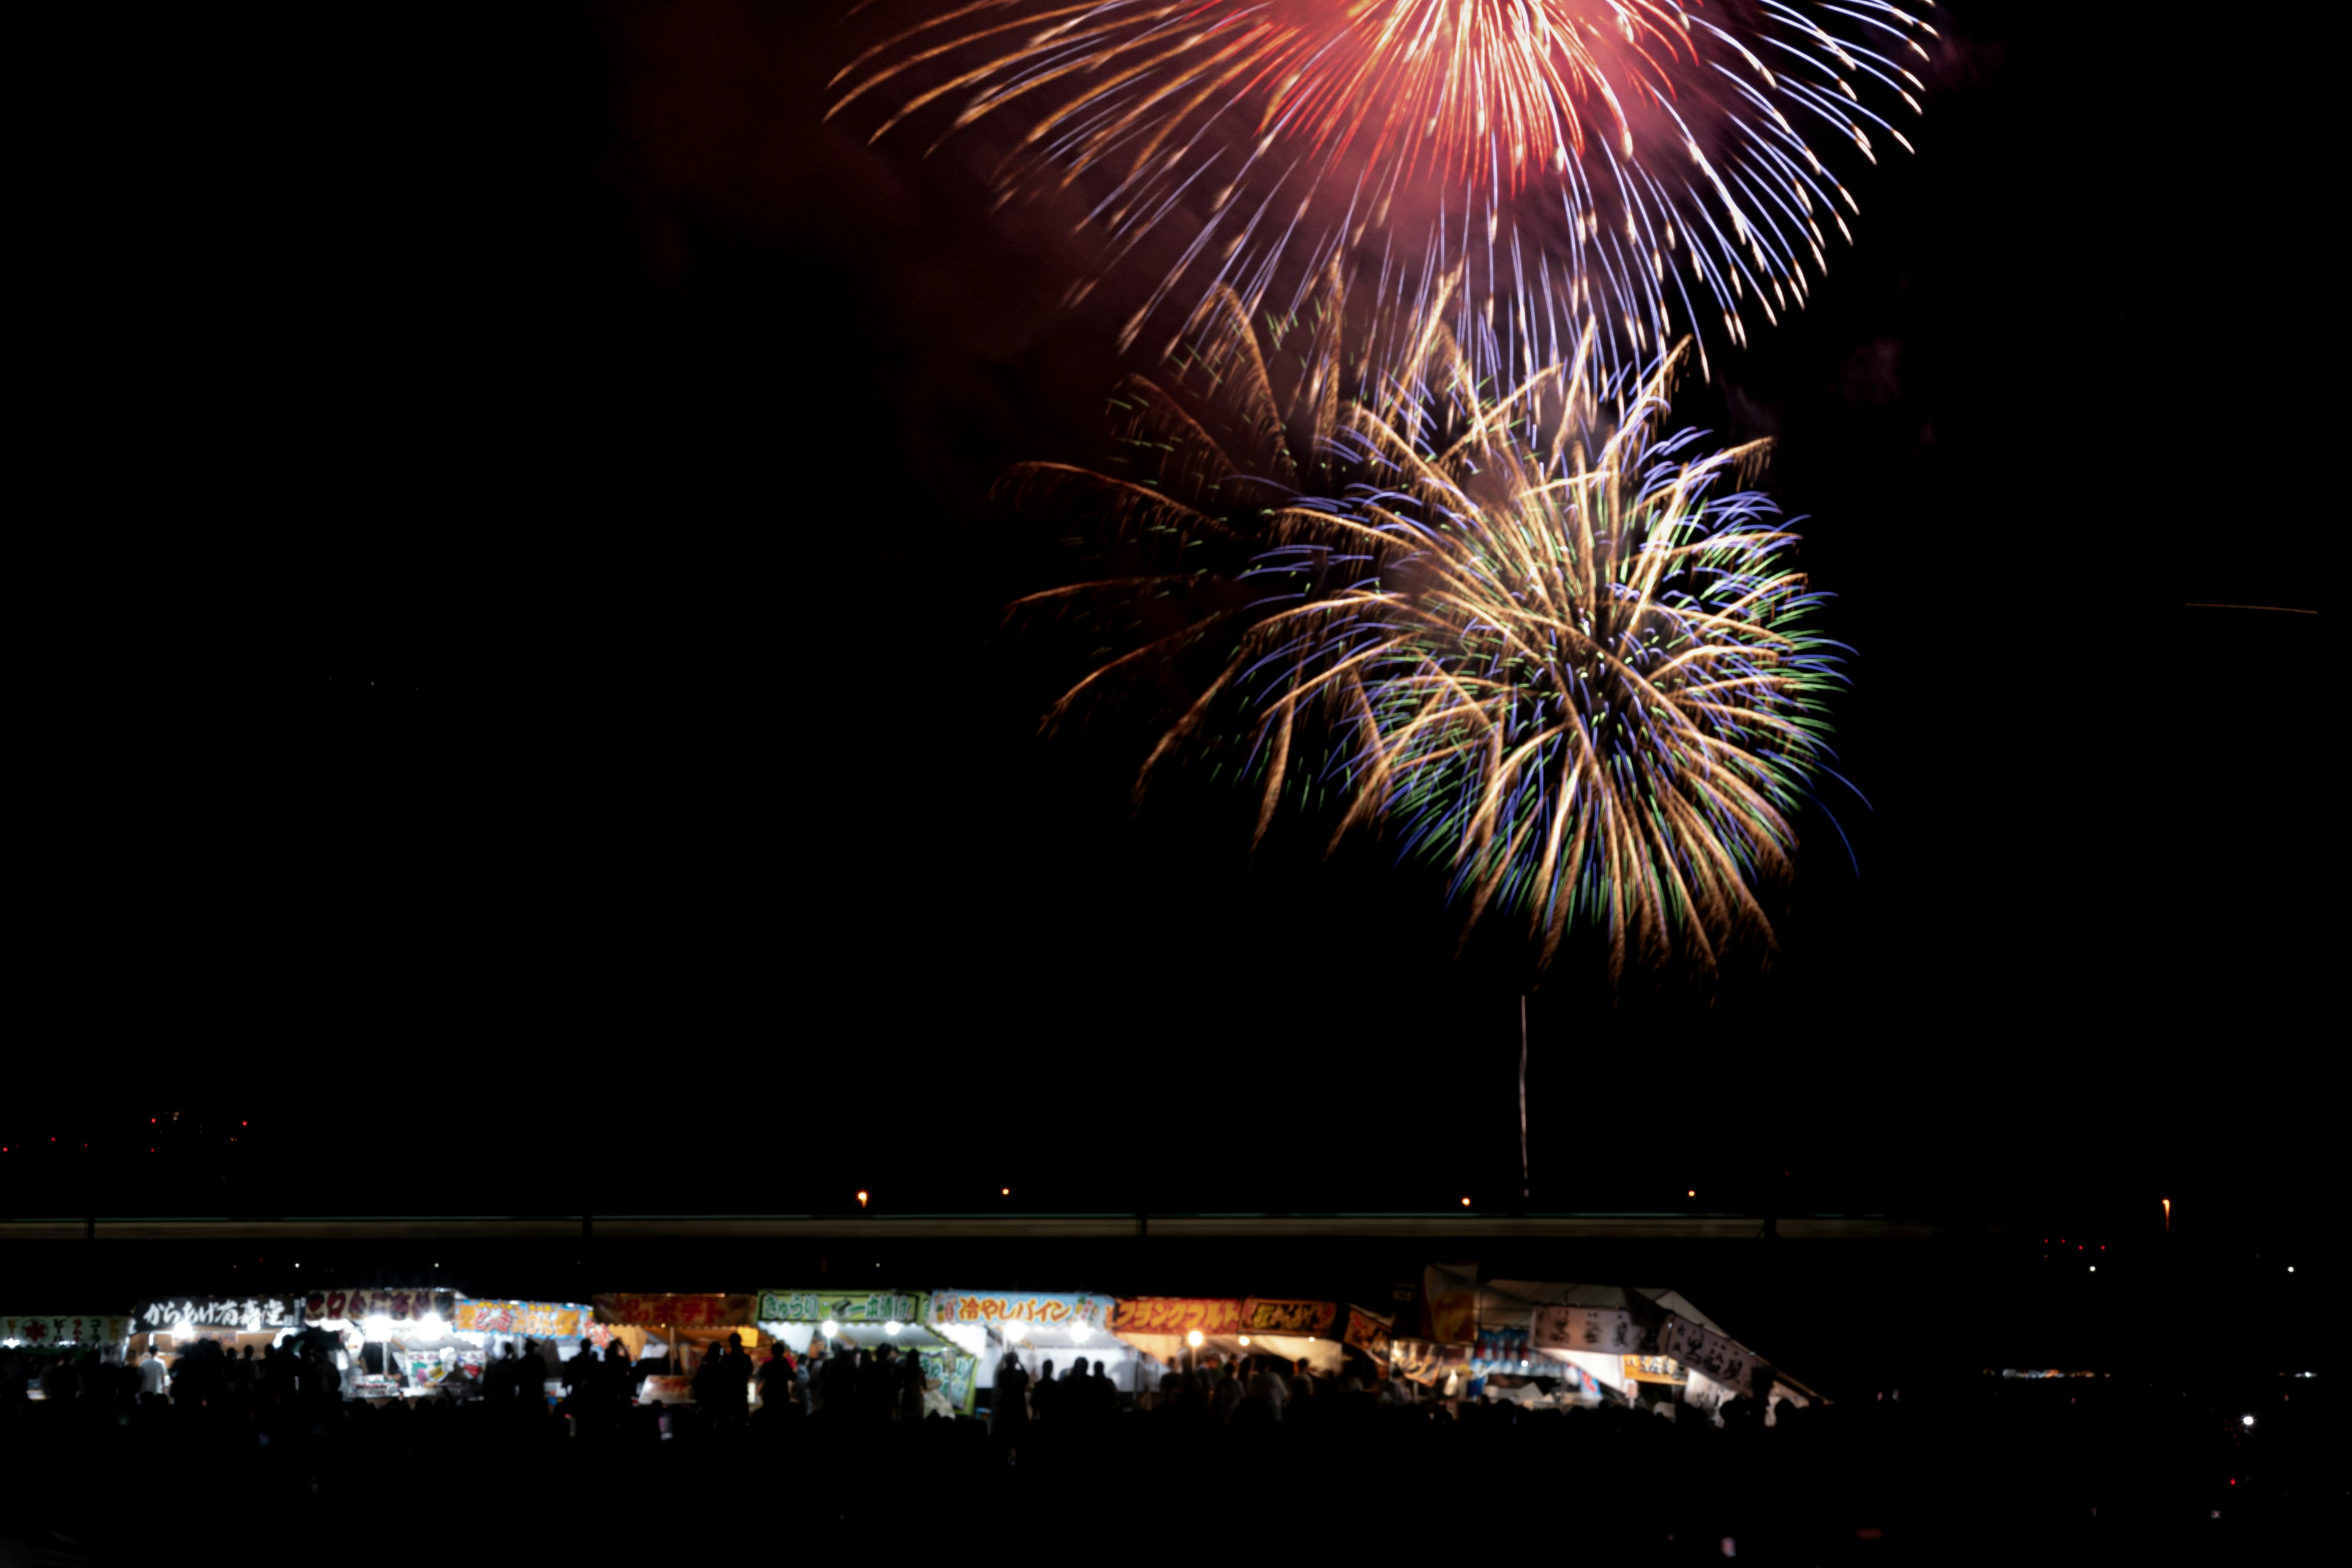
x=1530, y=635
x=1646, y=166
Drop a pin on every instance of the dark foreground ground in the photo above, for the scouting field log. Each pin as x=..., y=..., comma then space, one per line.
x=2073, y=1471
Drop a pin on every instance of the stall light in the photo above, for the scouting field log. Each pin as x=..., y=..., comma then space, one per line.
x=829, y=1328
x=1465, y=1203
x=433, y=1325
x=1004, y=1192
x=183, y=1329
x=1080, y=1333
x=1194, y=1339
x=2245, y=1420
x=861, y=1198
x=376, y=1327
x=891, y=1329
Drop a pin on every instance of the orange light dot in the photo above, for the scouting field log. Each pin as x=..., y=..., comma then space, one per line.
x=1691, y=1193
x=1465, y=1203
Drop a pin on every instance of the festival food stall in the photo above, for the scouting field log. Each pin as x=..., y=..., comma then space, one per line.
x=1593, y=1343
x=817, y=1323
x=681, y=1328
x=43, y=1333
x=57, y=1334
x=1281, y=1328
x=387, y=1338
x=480, y=1326
x=1036, y=1327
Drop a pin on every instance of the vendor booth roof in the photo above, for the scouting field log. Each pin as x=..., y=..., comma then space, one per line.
x=1613, y=1318
x=533, y=1320
x=683, y=1313
x=840, y=1306
x=1504, y=1301
x=1025, y=1317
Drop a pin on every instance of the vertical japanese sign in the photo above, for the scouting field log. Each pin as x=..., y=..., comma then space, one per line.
x=1721, y=1360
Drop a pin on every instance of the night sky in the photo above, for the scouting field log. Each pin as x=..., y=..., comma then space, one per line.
x=572, y=703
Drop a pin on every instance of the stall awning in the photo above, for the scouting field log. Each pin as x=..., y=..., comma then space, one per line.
x=840, y=1306
x=407, y=1306
x=248, y=1314
x=533, y=1320
x=681, y=1312
x=1023, y=1317
x=45, y=1331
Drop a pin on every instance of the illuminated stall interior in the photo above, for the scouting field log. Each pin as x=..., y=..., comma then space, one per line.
x=815, y=1324
x=1036, y=1327
x=678, y=1331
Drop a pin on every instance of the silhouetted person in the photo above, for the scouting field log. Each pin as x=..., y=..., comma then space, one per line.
x=910, y=1388
x=779, y=1392
x=1045, y=1398
x=1008, y=1409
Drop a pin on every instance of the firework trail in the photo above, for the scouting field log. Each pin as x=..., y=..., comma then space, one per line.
x=1648, y=166
x=1535, y=639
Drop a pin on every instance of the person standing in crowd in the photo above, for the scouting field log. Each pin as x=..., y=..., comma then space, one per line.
x=777, y=1391
x=734, y=1379
x=532, y=1374
x=153, y=1379
x=910, y=1388
x=1008, y=1408
x=1045, y=1399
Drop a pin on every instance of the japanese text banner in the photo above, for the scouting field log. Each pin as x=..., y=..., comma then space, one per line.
x=838, y=1306
x=1602, y=1328
x=533, y=1320
x=401, y=1306
x=41, y=1333
x=252, y=1314
x=1175, y=1315
x=1020, y=1308
x=676, y=1311
x=1271, y=1315
x=1721, y=1360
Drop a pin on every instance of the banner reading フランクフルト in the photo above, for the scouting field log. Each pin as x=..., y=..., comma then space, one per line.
x=1176, y=1315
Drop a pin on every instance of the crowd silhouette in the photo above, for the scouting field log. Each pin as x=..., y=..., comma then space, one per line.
x=858, y=1448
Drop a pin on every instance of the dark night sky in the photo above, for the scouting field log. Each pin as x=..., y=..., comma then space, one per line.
x=581, y=695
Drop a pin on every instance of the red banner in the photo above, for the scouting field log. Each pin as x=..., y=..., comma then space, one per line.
x=676, y=1311
x=1270, y=1315
x=1175, y=1315
x=401, y=1306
